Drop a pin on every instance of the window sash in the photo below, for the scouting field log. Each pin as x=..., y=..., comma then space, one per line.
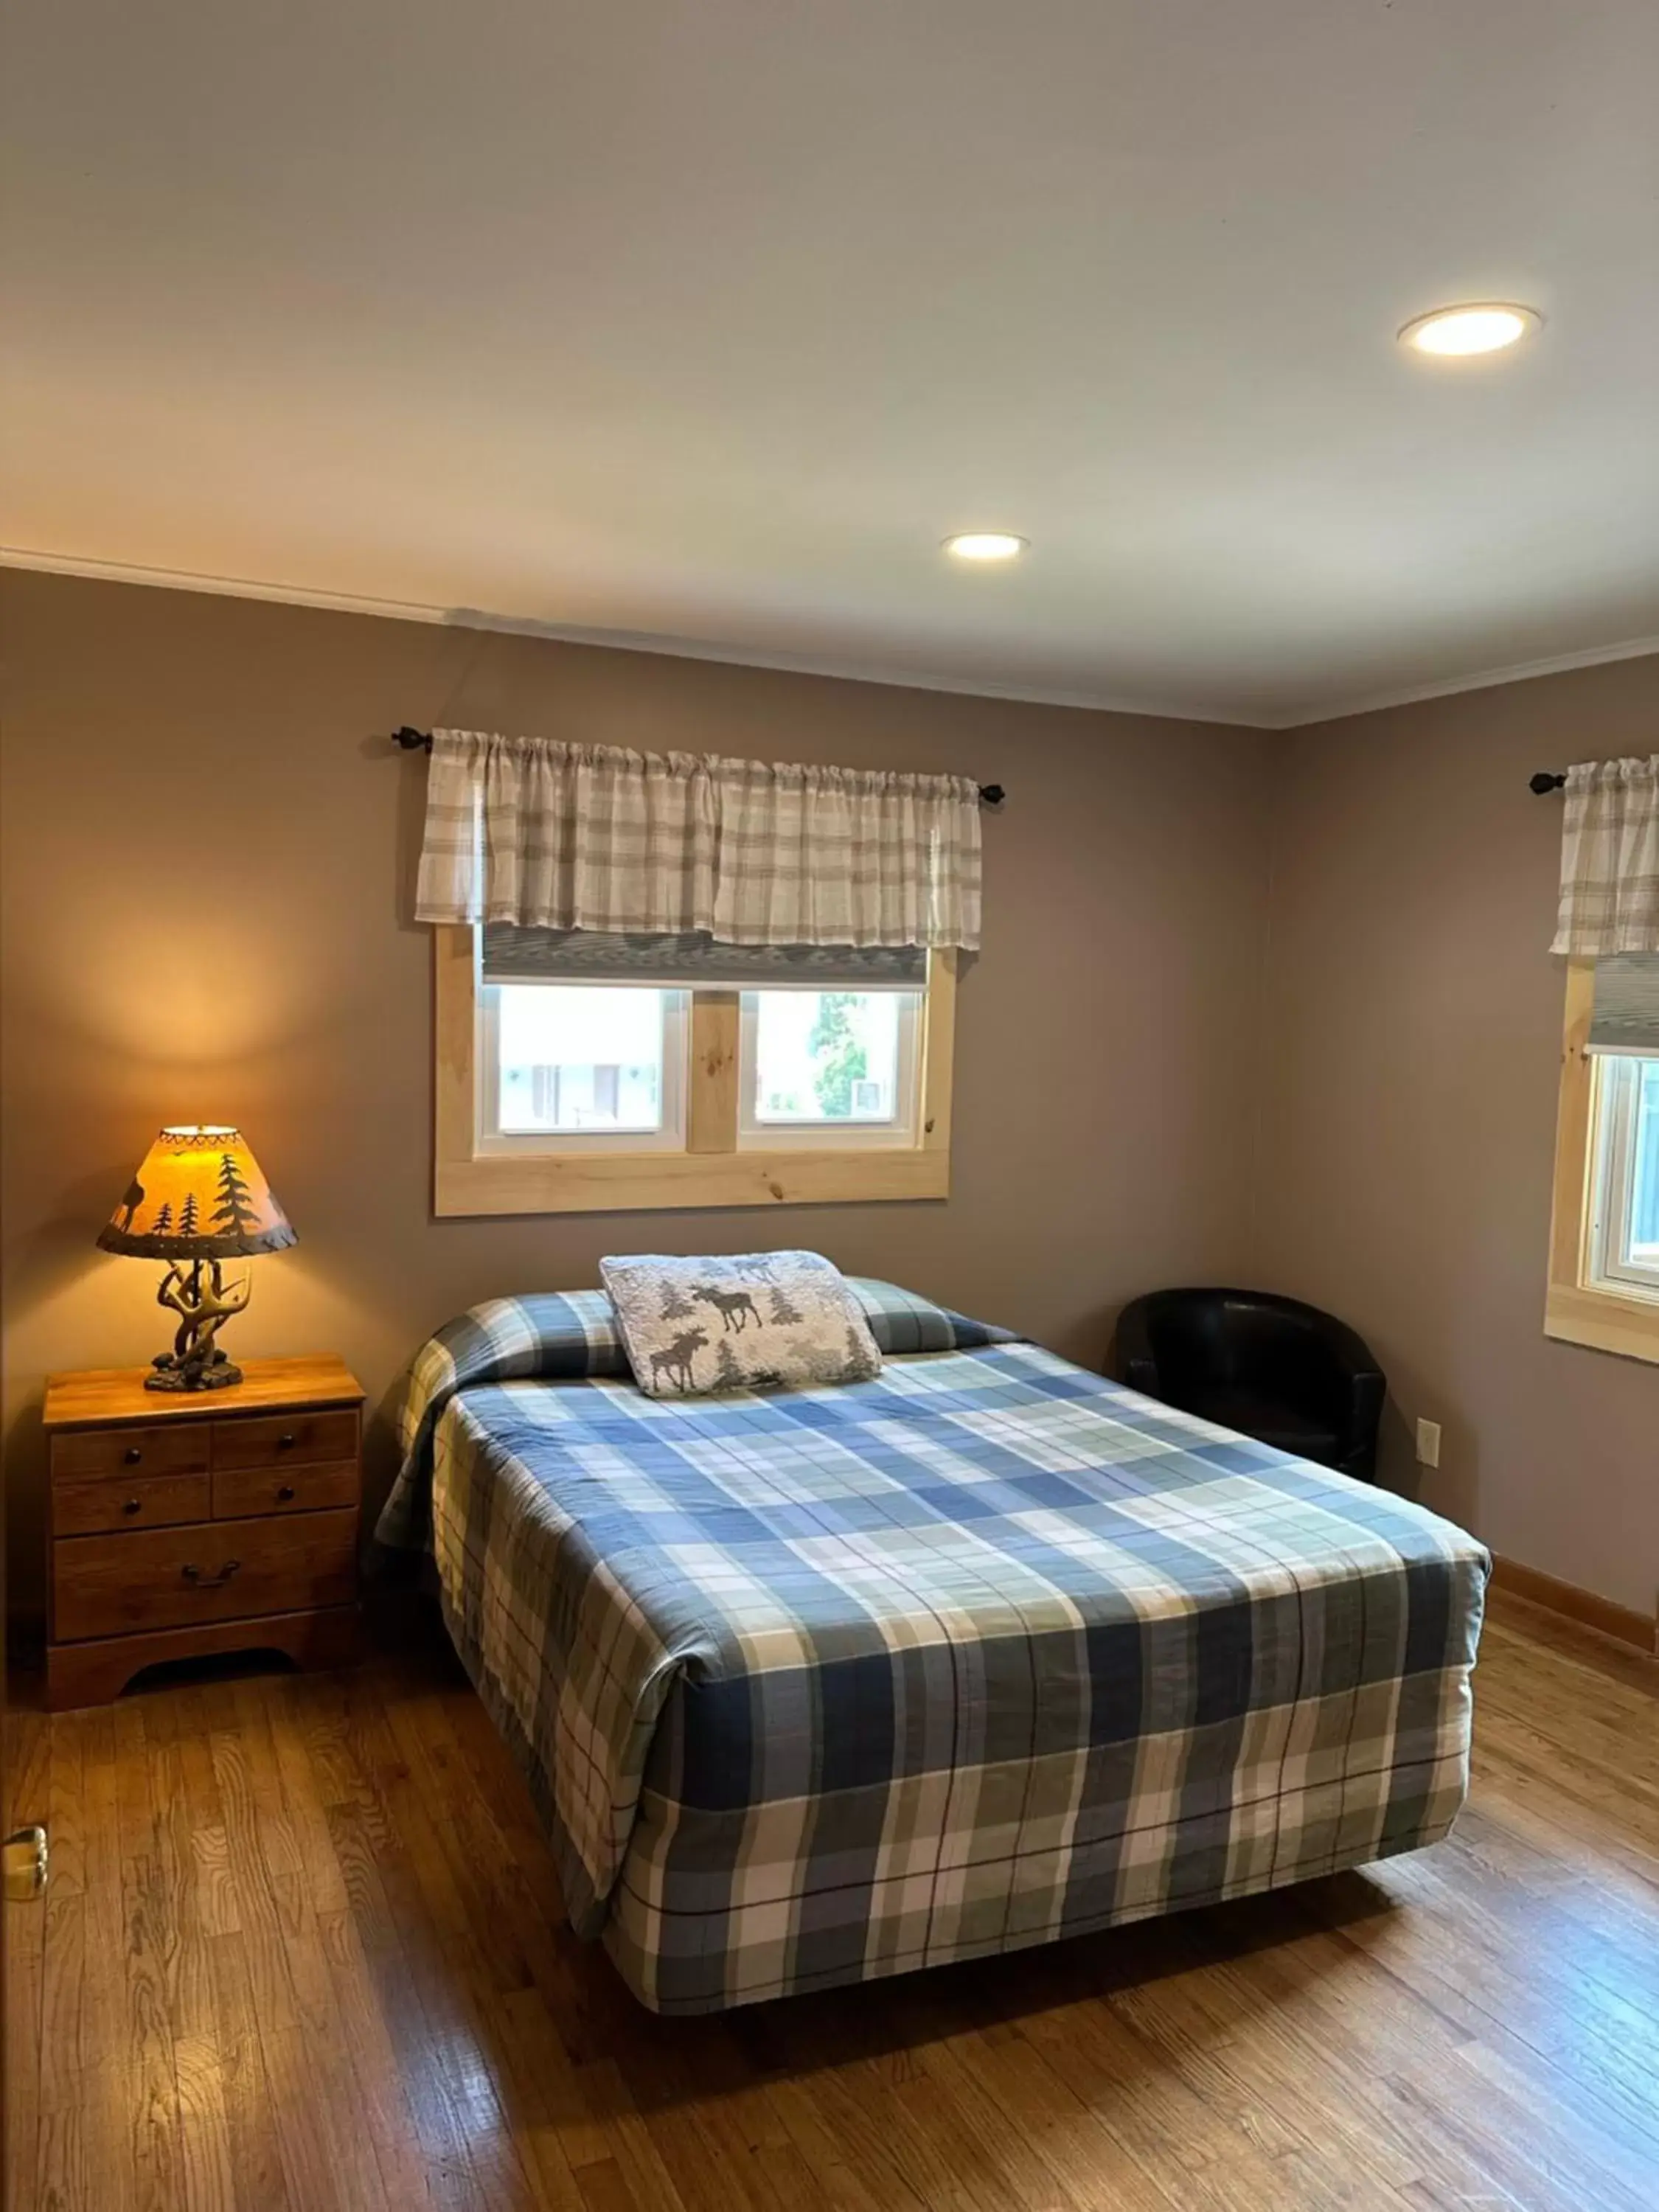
x=1615, y=1260
x=827, y=1134
x=669, y=1135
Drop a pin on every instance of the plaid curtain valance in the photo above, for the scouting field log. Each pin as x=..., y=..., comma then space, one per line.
x=1610, y=859
x=594, y=837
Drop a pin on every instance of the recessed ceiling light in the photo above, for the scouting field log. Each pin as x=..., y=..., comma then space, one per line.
x=986, y=545
x=1486, y=327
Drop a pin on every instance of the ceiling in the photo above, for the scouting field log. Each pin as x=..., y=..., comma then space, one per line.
x=702, y=323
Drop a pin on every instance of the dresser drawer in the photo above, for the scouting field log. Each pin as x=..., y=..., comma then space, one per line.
x=284, y=1437
x=87, y=1454
x=221, y=1570
x=150, y=1501
x=238, y=1491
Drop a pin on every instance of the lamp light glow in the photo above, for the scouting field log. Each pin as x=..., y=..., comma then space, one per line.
x=199, y=1197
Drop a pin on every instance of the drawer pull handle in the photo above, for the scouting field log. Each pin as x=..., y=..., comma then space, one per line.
x=192, y=1573
x=133, y=1505
x=285, y=1494
x=132, y=1455
x=285, y=1443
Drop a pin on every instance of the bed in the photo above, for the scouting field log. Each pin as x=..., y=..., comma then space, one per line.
x=824, y=1685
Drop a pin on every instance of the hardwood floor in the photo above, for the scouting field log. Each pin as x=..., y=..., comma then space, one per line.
x=303, y=1949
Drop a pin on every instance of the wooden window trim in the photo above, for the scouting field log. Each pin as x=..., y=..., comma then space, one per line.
x=711, y=1170
x=1576, y=1309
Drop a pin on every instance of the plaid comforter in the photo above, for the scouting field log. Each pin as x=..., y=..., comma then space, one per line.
x=834, y=1683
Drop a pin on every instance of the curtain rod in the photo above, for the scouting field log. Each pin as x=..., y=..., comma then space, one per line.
x=1544, y=782
x=991, y=795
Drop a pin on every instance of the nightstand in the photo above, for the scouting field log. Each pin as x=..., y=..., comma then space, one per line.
x=185, y=1525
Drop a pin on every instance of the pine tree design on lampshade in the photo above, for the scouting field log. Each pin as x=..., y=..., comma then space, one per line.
x=199, y=1197
x=236, y=1213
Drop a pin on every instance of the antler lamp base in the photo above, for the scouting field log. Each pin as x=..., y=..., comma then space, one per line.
x=197, y=1295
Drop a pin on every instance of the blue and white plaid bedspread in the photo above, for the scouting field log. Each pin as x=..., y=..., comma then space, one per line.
x=830, y=1684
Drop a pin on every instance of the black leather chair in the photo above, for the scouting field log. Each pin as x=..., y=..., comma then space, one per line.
x=1270, y=1367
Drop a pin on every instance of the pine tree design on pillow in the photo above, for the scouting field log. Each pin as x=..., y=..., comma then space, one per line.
x=760, y=1320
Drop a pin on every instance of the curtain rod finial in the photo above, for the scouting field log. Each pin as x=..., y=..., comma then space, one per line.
x=992, y=794
x=412, y=740
x=1543, y=782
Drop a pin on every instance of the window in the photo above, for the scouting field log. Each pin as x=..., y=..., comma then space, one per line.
x=1604, y=1238
x=828, y=1066
x=1624, y=1202
x=579, y=1061
x=592, y=1075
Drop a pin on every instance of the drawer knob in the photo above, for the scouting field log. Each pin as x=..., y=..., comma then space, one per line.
x=132, y=1455
x=285, y=1493
x=192, y=1573
x=286, y=1442
x=133, y=1505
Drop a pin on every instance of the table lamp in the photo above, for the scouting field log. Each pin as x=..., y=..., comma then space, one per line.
x=198, y=1199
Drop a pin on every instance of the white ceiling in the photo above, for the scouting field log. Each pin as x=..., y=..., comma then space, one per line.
x=705, y=321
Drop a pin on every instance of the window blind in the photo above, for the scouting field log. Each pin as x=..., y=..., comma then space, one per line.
x=692, y=960
x=1625, y=1020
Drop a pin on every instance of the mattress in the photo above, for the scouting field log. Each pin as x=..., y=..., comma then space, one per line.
x=825, y=1685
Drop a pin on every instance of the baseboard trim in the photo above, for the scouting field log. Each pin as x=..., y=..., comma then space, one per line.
x=1622, y=1622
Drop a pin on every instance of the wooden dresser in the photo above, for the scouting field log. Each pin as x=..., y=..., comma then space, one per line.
x=190, y=1524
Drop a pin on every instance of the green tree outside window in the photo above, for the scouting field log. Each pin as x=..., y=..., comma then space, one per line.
x=841, y=1057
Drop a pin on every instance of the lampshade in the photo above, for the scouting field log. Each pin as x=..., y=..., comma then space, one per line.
x=199, y=1193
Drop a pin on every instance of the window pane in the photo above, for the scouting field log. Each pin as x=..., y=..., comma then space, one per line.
x=573, y=1057
x=1644, y=1211
x=827, y=1056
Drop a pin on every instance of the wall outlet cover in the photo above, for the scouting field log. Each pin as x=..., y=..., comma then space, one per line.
x=1428, y=1444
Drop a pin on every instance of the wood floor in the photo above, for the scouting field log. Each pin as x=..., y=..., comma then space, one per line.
x=303, y=1949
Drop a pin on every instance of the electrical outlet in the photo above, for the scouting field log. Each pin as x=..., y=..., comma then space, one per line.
x=1428, y=1444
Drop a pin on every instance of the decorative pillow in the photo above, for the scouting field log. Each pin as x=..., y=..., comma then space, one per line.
x=761, y=1321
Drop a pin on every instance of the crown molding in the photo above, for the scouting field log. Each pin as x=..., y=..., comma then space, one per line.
x=1487, y=679
x=223, y=587
x=850, y=672
x=612, y=641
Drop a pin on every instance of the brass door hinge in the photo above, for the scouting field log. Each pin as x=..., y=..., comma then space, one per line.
x=26, y=1859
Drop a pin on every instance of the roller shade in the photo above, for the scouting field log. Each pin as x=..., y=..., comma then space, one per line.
x=692, y=960
x=1625, y=1020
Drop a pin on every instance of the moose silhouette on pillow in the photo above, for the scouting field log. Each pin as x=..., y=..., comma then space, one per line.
x=757, y=1321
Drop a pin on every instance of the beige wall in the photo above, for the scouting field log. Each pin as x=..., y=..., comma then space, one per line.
x=1414, y=1029
x=207, y=848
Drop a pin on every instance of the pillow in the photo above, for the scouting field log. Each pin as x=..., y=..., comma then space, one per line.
x=901, y=1321
x=762, y=1321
